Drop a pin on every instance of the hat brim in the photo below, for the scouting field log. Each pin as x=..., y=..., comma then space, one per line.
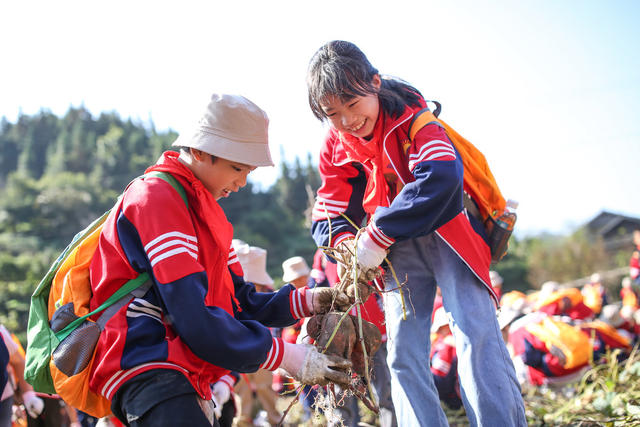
x=260, y=279
x=291, y=276
x=249, y=153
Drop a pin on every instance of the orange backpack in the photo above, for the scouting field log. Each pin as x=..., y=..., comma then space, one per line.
x=573, y=294
x=573, y=343
x=479, y=182
x=61, y=336
x=608, y=331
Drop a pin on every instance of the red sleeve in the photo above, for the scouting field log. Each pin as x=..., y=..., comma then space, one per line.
x=580, y=311
x=551, y=308
x=335, y=192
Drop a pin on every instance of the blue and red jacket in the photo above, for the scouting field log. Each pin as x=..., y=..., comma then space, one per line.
x=444, y=363
x=408, y=188
x=541, y=364
x=199, y=317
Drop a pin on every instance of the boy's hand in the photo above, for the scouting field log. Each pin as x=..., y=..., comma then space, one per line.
x=369, y=254
x=322, y=300
x=364, y=291
x=304, y=363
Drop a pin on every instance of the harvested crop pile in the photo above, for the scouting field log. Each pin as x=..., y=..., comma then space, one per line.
x=339, y=334
x=346, y=335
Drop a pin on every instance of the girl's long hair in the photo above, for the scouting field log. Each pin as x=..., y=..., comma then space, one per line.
x=340, y=68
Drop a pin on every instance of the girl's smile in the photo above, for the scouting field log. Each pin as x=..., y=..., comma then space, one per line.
x=356, y=115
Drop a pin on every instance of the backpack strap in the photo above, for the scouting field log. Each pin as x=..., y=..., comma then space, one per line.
x=135, y=287
x=121, y=295
x=423, y=118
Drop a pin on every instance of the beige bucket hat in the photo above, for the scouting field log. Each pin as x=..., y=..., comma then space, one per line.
x=254, y=263
x=293, y=268
x=233, y=128
x=439, y=320
x=611, y=314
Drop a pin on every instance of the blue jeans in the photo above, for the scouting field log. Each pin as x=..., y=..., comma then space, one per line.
x=490, y=391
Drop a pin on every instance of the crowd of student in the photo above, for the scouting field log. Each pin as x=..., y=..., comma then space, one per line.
x=553, y=335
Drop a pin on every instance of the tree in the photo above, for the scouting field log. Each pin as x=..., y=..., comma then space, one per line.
x=34, y=143
x=564, y=258
x=8, y=151
x=514, y=267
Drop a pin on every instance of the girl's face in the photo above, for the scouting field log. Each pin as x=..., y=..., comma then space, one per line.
x=220, y=177
x=357, y=116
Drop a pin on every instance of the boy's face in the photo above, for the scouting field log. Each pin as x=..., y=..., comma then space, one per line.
x=220, y=177
x=357, y=116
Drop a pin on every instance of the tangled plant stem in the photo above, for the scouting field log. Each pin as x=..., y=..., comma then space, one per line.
x=348, y=260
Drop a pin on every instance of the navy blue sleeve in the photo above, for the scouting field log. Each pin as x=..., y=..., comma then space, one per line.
x=211, y=333
x=4, y=361
x=433, y=199
x=532, y=356
x=272, y=309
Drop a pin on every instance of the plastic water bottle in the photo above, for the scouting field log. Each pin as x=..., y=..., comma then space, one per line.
x=502, y=230
x=508, y=218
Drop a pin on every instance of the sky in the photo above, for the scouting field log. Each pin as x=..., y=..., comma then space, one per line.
x=548, y=90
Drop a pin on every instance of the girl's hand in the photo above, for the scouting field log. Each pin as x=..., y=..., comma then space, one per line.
x=370, y=255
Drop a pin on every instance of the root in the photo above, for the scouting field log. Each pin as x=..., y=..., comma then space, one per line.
x=347, y=259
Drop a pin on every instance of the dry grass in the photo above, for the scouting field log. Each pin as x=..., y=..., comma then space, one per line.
x=607, y=395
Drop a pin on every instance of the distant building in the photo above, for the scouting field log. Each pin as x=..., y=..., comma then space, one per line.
x=615, y=230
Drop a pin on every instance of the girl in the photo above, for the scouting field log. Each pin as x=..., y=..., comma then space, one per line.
x=412, y=193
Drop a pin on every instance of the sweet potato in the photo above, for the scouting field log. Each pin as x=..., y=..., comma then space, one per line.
x=321, y=328
x=345, y=342
x=372, y=341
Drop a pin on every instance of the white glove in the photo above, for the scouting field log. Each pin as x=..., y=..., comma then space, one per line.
x=220, y=393
x=304, y=363
x=32, y=403
x=370, y=255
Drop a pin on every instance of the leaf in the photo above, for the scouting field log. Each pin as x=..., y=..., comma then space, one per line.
x=633, y=409
x=635, y=368
x=601, y=404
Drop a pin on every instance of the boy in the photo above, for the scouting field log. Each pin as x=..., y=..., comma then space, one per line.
x=159, y=354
